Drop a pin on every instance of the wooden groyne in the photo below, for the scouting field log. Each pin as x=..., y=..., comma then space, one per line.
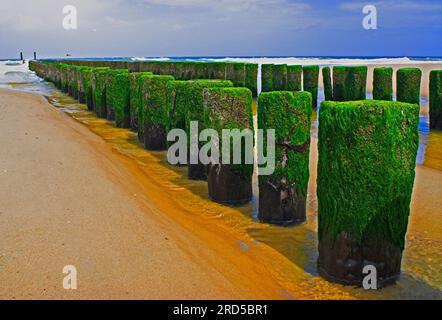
x=367, y=148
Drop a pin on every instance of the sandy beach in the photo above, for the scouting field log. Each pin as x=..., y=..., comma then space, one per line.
x=67, y=198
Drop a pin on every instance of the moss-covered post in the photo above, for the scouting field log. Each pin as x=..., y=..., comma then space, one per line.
x=279, y=77
x=74, y=82
x=328, y=88
x=136, y=98
x=408, y=85
x=200, y=70
x=252, y=78
x=230, y=108
x=110, y=105
x=179, y=71
x=436, y=99
x=64, y=77
x=189, y=106
x=99, y=85
x=267, y=77
x=366, y=169
x=80, y=95
x=133, y=66
x=283, y=194
x=216, y=70
x=349, y=83
x=121, y=100
x=339, y=76
x=383, y=84
x=177, y=92
x=71, y=84
x=236, y=72
x=87, y=87
x=294, y=78
x=155, y=111
x=356, y=83
x=310, y=82
x=189, y=70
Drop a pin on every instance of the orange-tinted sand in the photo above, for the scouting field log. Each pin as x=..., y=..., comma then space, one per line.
x=66, y=198
x=108, y=207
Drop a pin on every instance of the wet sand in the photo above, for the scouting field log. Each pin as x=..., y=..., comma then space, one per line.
x=228, y=252
x=67, y=198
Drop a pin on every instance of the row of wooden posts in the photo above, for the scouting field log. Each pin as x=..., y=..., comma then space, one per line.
x=367, y=148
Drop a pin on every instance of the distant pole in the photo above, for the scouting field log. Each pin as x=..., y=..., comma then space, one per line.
x=35, y=55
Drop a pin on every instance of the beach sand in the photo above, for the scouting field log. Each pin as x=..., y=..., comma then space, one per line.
x=66, y=198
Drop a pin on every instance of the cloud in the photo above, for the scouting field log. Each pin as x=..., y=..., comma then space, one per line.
x=243, y=6
x=394, y=5
x=200, y=27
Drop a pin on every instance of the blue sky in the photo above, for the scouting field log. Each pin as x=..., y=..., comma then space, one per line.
x=220, y=28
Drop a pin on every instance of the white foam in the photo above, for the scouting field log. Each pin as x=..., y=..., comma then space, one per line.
x=149, y=59
x=16, y=72
x=328, y=61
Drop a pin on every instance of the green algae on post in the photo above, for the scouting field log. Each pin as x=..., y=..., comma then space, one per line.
x=110, y=105
x=99, y=84
x=200, y=70
x=267, y=77
x=310, y=82
x=349, y=83
x=283, y=194
x=155, y=111
x=408, y=85
x=328, y=89
x=80, y=85
x=121, y=100
x=136, y=98
x=383, y=84
x=366, y=169
x=294, y=78
x=436, y=99
x=230, y=108
x=279, y=77
x=189, y=106
x=87, y=87
x=252, y=78
x=216, y=70
x=236, y=72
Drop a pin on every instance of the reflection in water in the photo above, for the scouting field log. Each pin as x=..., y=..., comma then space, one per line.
x=295, y=266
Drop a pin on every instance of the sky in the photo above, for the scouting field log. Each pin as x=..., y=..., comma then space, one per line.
x=139, y=28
